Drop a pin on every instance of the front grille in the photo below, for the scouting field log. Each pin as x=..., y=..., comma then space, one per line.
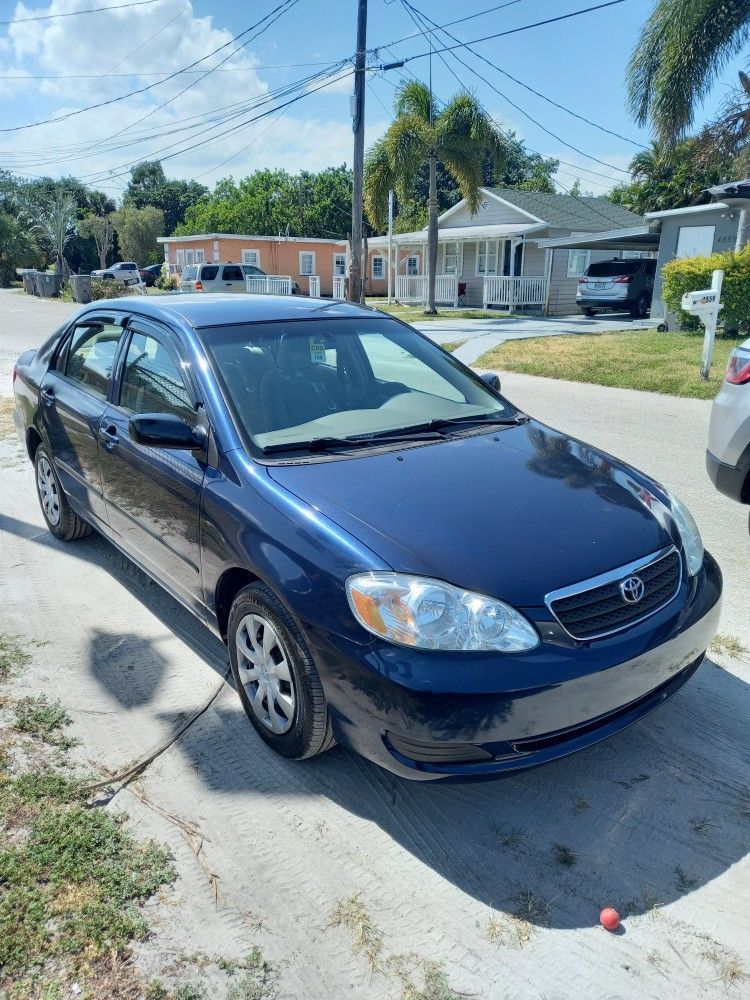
x=599, y=610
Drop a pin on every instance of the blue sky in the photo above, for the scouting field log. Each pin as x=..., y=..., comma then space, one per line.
x=580, y=63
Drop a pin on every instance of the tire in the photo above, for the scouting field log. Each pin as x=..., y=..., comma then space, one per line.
x=58, y=516
x=639, y=309
x=588, y=311
x=294, y=720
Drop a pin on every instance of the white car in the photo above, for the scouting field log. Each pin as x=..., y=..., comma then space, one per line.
x=728, y=454
x=125, y=271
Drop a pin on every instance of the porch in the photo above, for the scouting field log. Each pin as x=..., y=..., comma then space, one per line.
x=501, y=270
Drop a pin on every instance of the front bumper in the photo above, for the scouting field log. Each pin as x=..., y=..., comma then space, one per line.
x=430, y=716
x=729, y=479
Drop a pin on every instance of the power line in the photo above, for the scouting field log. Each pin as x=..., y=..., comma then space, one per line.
x=509, y=31
x=549, y=100
x=505, y=97
x=75, y=13
x=144, y=73
x=142, y=90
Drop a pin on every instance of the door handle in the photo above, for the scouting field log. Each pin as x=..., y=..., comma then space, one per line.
x=108, y=436
x=48, y=395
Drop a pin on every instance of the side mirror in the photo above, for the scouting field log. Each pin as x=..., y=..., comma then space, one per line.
x=492, y=380
x=165, y=430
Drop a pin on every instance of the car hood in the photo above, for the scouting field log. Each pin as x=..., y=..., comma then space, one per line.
x=513, y=513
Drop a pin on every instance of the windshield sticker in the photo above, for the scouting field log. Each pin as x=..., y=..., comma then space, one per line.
x=317, y=352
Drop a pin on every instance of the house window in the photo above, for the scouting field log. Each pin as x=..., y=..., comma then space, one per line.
x=190, y=256
x=200, y=256
x=339, y=265
x=412, y=266
x=251, y=257
x=306, y=262
x=450, y=257
x=486, y=257
x=378, y=268
x=578, y=261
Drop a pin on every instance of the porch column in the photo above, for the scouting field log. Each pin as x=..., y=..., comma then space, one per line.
x=512, y=296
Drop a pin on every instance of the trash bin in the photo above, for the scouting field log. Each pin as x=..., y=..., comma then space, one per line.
x=37, y=279
x=27, y=276
x=48, y=283
x=81, y=285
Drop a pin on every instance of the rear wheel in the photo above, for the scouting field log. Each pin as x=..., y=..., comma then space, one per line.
x=60, y=519
x=588, y=311
x=275, y=675
x=639, y=310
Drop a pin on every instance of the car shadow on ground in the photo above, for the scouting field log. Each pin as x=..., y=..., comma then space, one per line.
x=636, y=822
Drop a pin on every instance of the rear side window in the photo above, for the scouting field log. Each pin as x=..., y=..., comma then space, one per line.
x=208, y=272
x=611, y=268
x=233, y=273
x=189, y=273
x=91, y=355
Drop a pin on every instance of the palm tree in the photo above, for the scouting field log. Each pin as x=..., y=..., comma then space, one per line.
x=458, y=135
x=683, y=46
x=55, y=223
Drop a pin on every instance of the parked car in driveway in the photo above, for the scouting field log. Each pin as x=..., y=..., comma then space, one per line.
x=398, y=558
x=221, y=278
x=125, y=271
x=150, y=275
x=728, y=453
x=617, y=284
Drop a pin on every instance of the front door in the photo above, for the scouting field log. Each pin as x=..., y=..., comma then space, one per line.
x=74, y=397
x=153, y=495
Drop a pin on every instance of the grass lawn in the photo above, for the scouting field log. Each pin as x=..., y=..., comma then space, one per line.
x=452, y=345
x=630, y=359
x=416, y=314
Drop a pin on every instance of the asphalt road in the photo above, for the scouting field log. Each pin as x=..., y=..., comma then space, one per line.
x=655, y=819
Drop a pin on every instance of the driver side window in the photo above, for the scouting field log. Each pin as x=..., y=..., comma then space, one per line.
x=152, y=382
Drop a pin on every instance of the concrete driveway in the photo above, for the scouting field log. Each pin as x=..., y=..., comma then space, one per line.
x=501, y=882
x=481, y=335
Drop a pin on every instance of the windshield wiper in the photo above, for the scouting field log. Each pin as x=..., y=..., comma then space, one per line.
x=477, y=418
x=327, y=443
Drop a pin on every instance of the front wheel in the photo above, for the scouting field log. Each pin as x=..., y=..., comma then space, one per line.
x=275, y=675
x=60, y=519
x=640, y=309
x=588, y=311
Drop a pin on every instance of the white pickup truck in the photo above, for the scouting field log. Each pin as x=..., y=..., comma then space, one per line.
x=125, y=271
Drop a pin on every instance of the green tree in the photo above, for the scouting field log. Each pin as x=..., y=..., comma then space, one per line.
x=682, y=47
x=665, y=177
x=55, y=224
x=99, y=228
x=459, y=135
x=18, y=248
x=137, y=230
x=148, y=185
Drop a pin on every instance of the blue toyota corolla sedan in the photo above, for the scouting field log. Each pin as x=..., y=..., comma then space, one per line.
x=399, y=560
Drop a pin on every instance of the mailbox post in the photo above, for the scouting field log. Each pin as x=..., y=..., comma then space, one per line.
x=705, y=305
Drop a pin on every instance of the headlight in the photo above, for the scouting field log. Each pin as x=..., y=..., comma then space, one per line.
x=429, y=614
x=691, y=537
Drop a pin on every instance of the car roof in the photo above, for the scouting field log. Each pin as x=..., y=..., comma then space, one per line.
x=225, y=309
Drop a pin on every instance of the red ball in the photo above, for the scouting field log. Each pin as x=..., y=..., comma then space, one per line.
x=609, y=918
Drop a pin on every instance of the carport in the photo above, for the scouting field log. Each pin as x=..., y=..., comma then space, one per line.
x=636, y=239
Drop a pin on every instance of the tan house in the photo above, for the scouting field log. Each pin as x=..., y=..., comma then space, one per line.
x=297, y=257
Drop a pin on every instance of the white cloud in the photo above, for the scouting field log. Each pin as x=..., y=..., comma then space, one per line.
x=168, y=36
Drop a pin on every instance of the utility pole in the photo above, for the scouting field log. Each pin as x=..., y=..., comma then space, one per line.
x=390, y=247
x=358, y=127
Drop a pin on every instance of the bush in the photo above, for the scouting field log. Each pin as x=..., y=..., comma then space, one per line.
x=99, y=290
x=688, y=274
x=166, y=281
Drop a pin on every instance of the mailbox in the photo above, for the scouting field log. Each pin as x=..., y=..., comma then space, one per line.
x=705, y=304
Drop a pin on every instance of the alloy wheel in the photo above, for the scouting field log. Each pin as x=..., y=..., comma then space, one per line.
x=50, y=498
x=263, y=666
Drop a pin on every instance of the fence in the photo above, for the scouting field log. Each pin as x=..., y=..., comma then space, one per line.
x=339, y=287
x=313, y=284
x=525, y=290
x=413, y=289
x=270, y=284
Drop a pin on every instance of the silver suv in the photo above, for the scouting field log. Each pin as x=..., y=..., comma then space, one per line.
x=220, y=277
x=728, y=454
x=617, y=284
x=126, y=271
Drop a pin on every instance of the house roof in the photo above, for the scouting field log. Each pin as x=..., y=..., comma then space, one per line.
x=569, y=211
x=460, y=233
x=246, y=237
x=712, y=206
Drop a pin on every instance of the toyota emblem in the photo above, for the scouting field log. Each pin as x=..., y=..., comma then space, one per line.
x=632, y=589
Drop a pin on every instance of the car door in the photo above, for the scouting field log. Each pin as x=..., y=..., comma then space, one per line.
x=152, y=494
x=232, y=279
x=73, y=395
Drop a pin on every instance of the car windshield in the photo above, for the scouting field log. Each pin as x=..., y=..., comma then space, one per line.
x=189, y=273
x=612, y=268
x=303, y=381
